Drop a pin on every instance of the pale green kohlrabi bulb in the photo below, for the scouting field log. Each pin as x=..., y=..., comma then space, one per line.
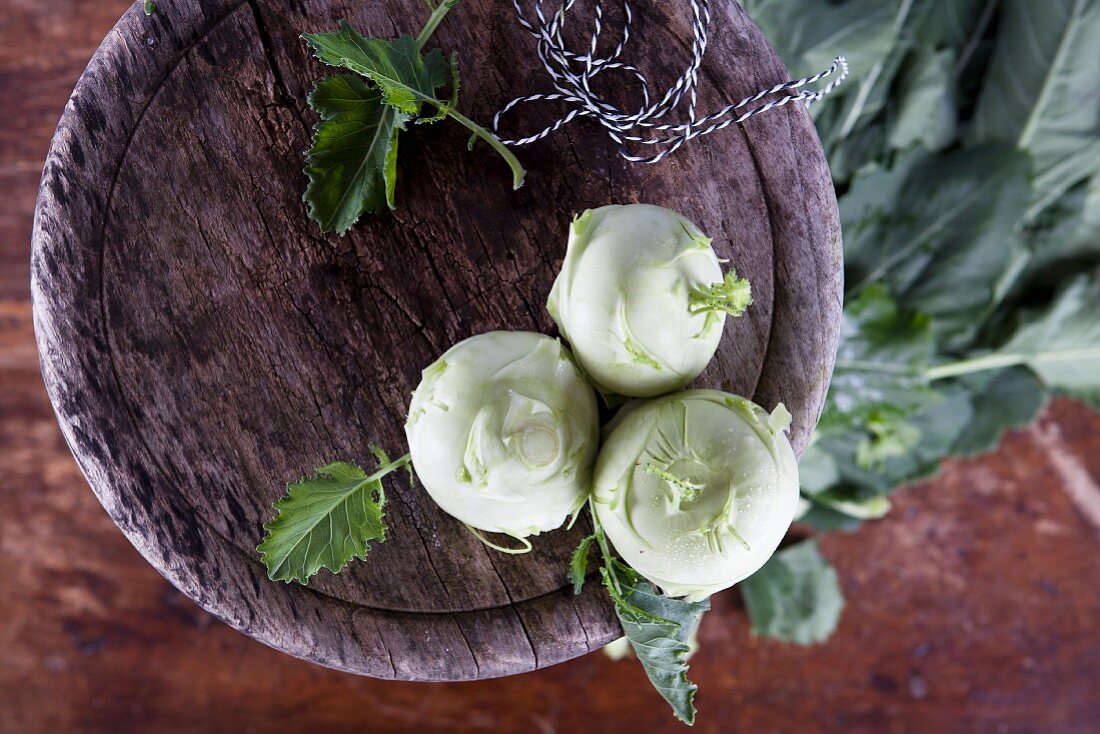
x=696, y=489
x=641, y=298
x=503, y=431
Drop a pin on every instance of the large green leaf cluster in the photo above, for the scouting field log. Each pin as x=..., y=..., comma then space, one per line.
x=965, y=148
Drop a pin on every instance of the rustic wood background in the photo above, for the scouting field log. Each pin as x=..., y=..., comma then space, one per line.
x=973, y=607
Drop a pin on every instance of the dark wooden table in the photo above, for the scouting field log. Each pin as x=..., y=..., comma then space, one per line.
x=975, y=606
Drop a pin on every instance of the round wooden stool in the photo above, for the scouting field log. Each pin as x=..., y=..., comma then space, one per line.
x=203, y=343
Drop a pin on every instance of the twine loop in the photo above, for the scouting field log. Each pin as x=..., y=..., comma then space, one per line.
x=572, y=73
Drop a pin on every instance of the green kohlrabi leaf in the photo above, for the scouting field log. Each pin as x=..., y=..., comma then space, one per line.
x=659, y=629
x=828, y=506
x=1062, y=242
x=578, y=565
x=885, y=422
x=406, y=77
x=1089, y=227
x=952, y=23
x=1061, y=345
x=350, y=166
x=857, y=152
x=826, y=519
x=817, y=470
x=1068, y=231
x=909, y=59
x=942, y=249
x=327, y=520
x=938, y=425
x=872, y=203
x=795, y=597
x=873, y=34
x=865, y=508
x=871, y=460
x=1042, y=92
x=878, y=368
x=926, y=112
x=808, y=34
x=1001, y=399
x=893, y=415
x=944, y=242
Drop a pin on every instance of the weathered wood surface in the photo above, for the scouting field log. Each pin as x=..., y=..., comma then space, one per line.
x=202, y=343
x=972, y=607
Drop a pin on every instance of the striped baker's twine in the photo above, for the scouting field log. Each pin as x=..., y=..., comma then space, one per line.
x=572, y=73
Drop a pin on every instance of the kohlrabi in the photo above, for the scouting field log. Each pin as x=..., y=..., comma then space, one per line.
x=641, y=298
x=503, y=432
x=696, y=489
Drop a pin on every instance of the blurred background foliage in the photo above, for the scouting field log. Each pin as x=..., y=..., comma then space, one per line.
x=965, y=149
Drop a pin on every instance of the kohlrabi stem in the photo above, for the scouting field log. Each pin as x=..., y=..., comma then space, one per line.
x=975, y=364
x=388, y=468
x=883, y=367
x=597, y=530
x=970, y=365
x=525, y=544
x=438, y=13
x=939, y=371
x=999, y=361
x=601, y=540
x=732, y=295
x=518, y=172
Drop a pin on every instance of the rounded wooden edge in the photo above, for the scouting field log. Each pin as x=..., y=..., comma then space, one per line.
x=86, y=150
x=806, y=228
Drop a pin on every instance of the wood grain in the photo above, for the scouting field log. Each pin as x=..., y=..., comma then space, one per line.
x=971, y=608
x=203, y=344
x=995, y=631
